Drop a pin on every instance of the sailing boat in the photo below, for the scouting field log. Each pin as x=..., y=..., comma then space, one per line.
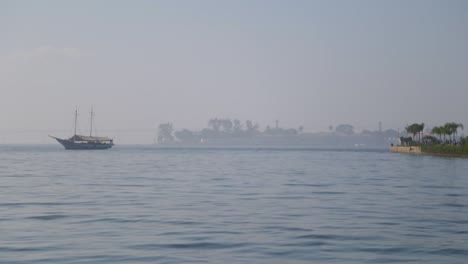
x=85, y=142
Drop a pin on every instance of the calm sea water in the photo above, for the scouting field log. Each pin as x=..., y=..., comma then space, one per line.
x=148, y=205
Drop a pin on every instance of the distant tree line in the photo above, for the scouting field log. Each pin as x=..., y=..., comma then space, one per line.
x=348, y=130
x=221, y=128
x=447, y=134
x=234, y=128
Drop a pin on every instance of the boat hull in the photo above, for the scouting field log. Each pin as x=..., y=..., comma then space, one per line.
x=72, y=145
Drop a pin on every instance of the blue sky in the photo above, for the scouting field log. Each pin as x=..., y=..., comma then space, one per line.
x=310, y=63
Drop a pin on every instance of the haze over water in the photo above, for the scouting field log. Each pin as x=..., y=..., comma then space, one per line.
x=305, y=63
x=292, y=80
x=153, y=205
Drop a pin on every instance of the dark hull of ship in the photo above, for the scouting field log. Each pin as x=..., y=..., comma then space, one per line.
x=68, y=144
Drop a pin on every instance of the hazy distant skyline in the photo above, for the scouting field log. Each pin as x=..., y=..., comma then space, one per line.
x=305, y=63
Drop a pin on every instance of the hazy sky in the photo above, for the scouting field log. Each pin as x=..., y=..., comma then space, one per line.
x=310, y=63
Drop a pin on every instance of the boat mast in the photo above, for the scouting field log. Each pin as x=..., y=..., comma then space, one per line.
x=91, y=125
x=76, y=117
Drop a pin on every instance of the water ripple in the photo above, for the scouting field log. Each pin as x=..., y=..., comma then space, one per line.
x=148, y=205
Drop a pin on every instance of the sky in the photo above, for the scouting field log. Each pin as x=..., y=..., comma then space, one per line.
x=304, y=63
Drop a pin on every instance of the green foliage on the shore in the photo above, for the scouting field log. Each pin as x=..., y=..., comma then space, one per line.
x=415, y=129
x=446, y=149
x=449, y=129
x=464, y=140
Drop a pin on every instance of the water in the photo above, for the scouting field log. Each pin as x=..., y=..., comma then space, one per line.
x=147, y=205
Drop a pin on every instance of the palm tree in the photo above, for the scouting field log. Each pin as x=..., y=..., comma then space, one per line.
x=415, y=129
x=411, y=129
x=438, y=131
x=420, y=130
x=459, y=126
x=444, y=131
x=450, y=129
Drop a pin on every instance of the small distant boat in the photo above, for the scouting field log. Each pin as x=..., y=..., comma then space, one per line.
x=85, y=142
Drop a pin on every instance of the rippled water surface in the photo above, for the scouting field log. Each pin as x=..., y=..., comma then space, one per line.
x=149, y=205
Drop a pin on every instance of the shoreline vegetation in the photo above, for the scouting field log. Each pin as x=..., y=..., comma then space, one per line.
x=459, y=150
x=440, y=141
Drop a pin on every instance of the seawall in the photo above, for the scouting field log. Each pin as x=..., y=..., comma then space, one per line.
x=417, y=150
x=406, y=149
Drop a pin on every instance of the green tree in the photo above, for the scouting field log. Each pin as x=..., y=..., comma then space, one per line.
x=444, y=132
x=215, y=124
x=456, y=127
x=226, y=124
x=345, y=129
x=450, y=130
x=415, y=129
x=250, y=127
x=412, y=130
x=420, y=131
x=464, y=140
x=237, y=126
x=438, y=131
x=165, y=133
